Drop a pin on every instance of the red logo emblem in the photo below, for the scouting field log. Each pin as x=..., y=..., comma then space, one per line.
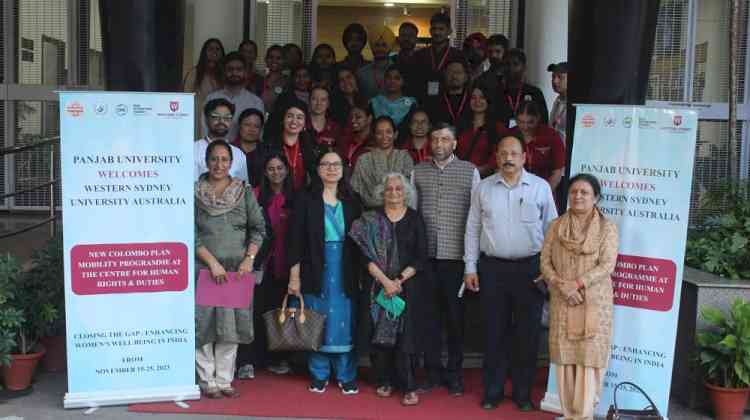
x=588, y=120
x=677, y=120
x=74, y=109
x=174, y=106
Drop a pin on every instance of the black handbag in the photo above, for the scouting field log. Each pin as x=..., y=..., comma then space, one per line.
x=650, y=412
x=386, y=329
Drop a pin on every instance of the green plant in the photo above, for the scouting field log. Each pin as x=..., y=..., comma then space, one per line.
x=719, y=245
x=724, y=347
x=11, y=318
x=45, y=283
x=31, y=302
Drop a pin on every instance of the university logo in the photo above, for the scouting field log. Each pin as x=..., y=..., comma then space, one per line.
x=588, y=121
x=677, y=120
x=174, y=106
x=74, y=109
x=627, y=122
x=609, y=122
x=121, y=109
x=100, y=109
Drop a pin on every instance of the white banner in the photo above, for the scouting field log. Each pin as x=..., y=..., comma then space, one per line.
x=127, y=171
x=644, y=160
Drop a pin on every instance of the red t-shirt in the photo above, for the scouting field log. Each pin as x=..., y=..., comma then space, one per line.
x=546, y=153
x=482, y=153
x=418, y=155
x=349, y=150
x=330, y=134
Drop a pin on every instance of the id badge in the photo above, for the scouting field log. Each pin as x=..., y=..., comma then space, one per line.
x=433, y=87
x=512, y=123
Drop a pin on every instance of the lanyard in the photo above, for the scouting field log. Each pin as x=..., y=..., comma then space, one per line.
x=515, y=105
x=454, y=116
x=295, y=152
x=422, y=153
x=378, y=83
x=442, y=60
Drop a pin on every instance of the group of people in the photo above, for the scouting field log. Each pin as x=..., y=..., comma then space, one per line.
x=419, y=175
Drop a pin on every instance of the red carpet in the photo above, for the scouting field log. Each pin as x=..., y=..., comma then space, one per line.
x=286, y=396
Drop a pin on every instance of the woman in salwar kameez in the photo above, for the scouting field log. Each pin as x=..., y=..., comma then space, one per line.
x=578, y=258
x=323, y=271
x=229, y=229
x=373, y=165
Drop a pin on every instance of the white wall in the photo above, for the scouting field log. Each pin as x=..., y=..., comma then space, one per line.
x=545, y=41
x=211, y=19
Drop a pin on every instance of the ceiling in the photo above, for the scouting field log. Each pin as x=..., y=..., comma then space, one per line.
x=380, y=3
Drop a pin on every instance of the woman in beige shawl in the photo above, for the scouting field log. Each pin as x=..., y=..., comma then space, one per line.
x=579, y=255
x=373, y=165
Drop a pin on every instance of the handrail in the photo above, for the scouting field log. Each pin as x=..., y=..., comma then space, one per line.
x=16, y=149
x=52, y=219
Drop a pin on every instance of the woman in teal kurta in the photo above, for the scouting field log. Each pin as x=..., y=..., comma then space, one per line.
x=229, y=228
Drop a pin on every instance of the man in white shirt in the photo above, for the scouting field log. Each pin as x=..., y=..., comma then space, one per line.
x=219, y=114
x=509, y=213
x=234, y=91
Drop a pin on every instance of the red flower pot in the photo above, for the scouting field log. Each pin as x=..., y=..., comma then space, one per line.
x=18, y=375
x=55, y=359
x=729, y=403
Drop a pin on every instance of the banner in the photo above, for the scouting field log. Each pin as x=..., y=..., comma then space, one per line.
x=643, y=158
x=127, y=192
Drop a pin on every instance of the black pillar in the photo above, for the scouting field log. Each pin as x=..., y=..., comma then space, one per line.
x=610, y=44
x=143, y=44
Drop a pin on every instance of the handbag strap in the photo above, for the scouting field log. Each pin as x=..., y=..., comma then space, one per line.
x=472, y=144
x=282, y=313
x=642, y=393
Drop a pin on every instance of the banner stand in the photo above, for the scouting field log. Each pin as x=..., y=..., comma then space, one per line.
x=146, y=395
x=643, y=158
x=127, y=167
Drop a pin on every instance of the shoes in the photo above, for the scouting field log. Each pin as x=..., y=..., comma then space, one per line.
x=427, y=386
x=281, y=369
x=491, y=403
x=246, y=372
x=384, y=391
x=318, y=386
x=410, y=398
x=349, y=388
x=230, y=393
x=456, y=388
x=525, y=406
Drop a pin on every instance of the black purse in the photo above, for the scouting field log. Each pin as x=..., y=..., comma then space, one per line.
x=650, y=412
x=386, y=329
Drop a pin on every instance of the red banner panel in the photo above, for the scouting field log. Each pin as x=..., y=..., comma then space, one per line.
x=642, y=282
x=129, y=268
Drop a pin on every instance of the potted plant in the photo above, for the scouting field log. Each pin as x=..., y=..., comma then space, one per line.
x=21, y=322
x=45, y=279
x=724, y=356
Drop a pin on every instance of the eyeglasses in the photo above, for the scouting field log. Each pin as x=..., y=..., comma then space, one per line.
x=331, y=165
x=221, y=117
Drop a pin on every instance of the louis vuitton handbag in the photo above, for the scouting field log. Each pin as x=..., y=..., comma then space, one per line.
x=650, y=412
x=294, y=329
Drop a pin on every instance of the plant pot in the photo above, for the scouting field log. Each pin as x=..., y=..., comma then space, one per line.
x=18, y=375
x=729, y=403
x=55, y=359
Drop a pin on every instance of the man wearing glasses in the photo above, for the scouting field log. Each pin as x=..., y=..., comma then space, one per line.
x=219, y=113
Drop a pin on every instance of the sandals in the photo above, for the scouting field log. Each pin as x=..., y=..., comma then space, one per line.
x=213, y=394
x=410, y=398
x=230, y=393
x=384, y=391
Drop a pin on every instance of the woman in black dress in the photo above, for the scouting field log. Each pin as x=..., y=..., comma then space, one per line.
x=392, y=239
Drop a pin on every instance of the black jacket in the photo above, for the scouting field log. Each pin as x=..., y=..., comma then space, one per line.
x=306, y=242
